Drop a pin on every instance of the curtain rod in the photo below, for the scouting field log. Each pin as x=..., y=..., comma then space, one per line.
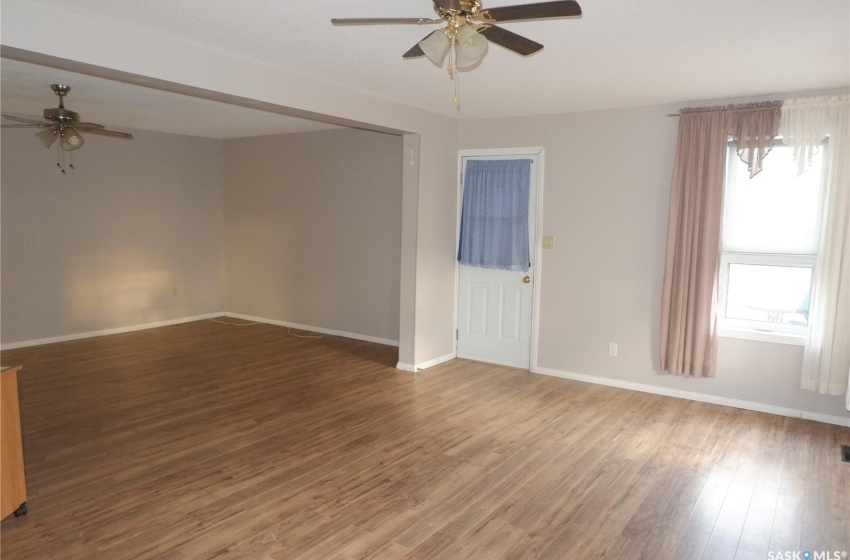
x=719, y=110
x=794, y=101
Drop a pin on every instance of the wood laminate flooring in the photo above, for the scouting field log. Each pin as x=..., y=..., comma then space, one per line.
x=205, y=440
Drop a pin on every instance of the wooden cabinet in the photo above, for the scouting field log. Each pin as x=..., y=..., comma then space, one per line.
x=13, y=488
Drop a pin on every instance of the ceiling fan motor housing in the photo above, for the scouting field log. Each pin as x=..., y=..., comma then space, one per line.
x=60, y=114
x=457, y=7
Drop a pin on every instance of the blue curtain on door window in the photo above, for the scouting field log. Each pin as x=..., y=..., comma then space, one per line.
x=494, y=217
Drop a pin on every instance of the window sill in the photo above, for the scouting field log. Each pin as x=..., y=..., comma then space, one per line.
x=764, y=336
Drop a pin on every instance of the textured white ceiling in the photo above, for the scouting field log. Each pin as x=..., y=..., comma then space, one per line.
x=26, y=91
x=619, y=54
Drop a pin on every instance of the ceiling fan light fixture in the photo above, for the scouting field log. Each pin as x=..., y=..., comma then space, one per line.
x=65, y=126
x=71, y=139
x=436, y=47
x=471, y=47
x=47, y=137
x=470, y=28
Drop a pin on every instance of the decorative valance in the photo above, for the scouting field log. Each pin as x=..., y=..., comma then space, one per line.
x=806, y=123
x=753, y=126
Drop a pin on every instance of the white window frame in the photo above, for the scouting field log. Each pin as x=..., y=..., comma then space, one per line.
x=759, y=330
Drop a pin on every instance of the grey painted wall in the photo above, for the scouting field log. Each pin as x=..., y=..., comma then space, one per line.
x=313, y=222
x=607, y=181
x=106, y=245
x=314, y=229
x=436, y=247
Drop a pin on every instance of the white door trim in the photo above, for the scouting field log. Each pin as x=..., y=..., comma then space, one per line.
x=538, y=152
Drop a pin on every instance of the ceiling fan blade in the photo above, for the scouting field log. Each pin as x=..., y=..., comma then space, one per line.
x=541, y=10
x=28, y=121
x=511, y=40
x=88, y=125
x=384, y=21
x=45, y=125
x=105, y=132
x=416, y=51
x=448, y=4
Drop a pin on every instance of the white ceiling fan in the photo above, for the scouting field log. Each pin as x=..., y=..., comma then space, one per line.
x=64, y=126
x=469, y=27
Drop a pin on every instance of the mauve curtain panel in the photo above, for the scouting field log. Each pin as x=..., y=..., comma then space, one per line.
x=689, y=297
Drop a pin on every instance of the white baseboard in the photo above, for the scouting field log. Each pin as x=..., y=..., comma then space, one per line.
x=355, y=336
x=693, y=396
x=425, y=365
x=436, y=361
x=105, y=332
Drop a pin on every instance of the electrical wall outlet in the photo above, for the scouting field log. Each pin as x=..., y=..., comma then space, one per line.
x=612, y=349
x=174, y=291
x=548, y=241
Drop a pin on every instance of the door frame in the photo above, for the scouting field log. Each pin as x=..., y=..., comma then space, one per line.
x=538, y=152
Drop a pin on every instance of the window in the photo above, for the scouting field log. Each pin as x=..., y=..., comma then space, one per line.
x=770, y=243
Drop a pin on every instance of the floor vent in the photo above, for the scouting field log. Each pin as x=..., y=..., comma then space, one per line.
x=845, y=453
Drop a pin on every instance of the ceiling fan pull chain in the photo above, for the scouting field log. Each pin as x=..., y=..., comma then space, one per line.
x=456, y=98
x=59, y=158
x=451, y=67
x=453, y=74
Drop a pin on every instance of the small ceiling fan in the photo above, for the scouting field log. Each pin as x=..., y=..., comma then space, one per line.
x=469, y=27
x=63, y=125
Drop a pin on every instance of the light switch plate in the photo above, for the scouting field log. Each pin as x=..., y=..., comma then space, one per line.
x=548, y=241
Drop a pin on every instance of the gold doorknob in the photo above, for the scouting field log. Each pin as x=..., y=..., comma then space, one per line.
x=526, y=280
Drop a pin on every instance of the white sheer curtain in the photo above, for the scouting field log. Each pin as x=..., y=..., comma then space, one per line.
x=804, y=124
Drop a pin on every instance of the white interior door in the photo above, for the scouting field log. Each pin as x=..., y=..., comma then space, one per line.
x=495, y=306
